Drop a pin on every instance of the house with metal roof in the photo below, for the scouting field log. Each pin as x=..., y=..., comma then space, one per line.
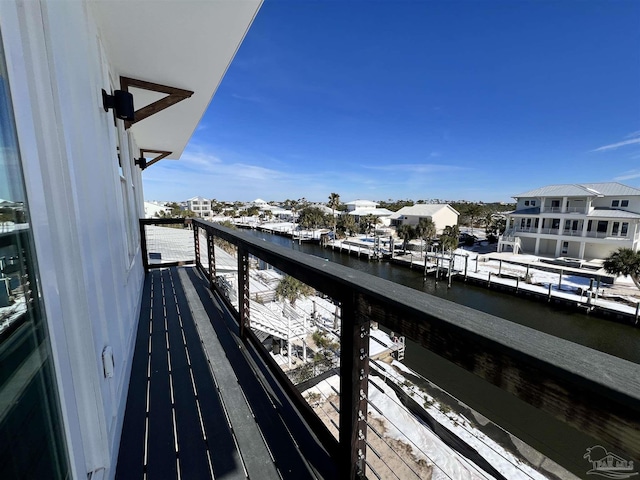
x=442, y=215
x=586, y=221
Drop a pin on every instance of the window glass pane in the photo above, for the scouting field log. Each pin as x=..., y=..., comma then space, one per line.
x=31, y=440
x=624, y=203
x=615, y=203
x=625, y=229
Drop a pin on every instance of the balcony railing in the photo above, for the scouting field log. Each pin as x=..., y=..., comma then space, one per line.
x=595, y=393
x=579, y=210
x=572, y=233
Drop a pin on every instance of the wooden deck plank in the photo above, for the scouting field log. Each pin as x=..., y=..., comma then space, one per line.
x=217, y=405
x=192, y=449
x=161, y=443
x=254, y=452
x=225, y=456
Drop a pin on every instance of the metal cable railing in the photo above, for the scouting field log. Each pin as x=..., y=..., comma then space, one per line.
x=556, y=375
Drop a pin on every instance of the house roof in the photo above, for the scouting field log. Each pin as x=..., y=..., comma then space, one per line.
x=612, y=213
x=379, y=212
x=581, y=190
x=187, y=44
x=424, y=210
x=362, y=203
x=526, y=211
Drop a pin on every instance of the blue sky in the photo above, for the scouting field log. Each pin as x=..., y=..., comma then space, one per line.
x=475, y=100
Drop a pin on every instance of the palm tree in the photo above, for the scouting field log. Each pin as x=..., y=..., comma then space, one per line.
x=291, y=289
x=407, y=233
x=368, y=223
x=334, y=203
x=450, y=238
x=624, y=261
x=425, y=230
x=347, y=223
x=473, y=212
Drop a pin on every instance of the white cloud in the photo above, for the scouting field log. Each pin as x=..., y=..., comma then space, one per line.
x=613, y=146
x=628, y=175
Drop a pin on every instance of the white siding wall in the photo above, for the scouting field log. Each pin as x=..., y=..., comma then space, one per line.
x=84, y=215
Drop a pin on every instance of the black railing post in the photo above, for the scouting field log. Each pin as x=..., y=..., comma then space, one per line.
x=212, y=258
x=243, y=290
x=196, y=244
x=143, y=244
x=354, y=382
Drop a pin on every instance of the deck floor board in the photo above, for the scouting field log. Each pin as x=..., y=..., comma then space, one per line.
x=209, y=414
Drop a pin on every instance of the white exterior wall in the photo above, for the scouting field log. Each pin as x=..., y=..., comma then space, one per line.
x=444, y=217
x=84, y=215
x=634, y=203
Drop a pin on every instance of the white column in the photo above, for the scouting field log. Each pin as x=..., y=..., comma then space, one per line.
x=537, y=249
x=582, y=247
x=563, y=207
x=558, y=247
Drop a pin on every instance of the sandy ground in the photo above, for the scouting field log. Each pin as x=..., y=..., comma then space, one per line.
x=395, y=457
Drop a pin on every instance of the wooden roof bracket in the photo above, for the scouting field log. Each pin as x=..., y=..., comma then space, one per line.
x=142, y=161
x=174, y=95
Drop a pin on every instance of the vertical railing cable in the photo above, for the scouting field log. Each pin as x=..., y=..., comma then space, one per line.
x=196, y=243
x=212, y=258
x=243, y=291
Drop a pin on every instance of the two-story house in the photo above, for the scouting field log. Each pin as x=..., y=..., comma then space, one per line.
x=585, y=221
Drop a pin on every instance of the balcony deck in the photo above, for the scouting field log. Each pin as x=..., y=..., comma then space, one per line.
x=200, y=404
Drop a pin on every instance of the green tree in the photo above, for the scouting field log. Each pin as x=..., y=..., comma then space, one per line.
x=334, y=203
x=346, y=225
x=407, y=233
x=253, y=211
x=291, y=289
x=368, y=223
x=471, y=213
x=425, y=231
x=624, y=261
x=450, y=238
x=312, y=217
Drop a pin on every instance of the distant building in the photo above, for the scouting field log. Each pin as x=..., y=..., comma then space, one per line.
x=153, y=209
x=584, y=221
x=442, y=215
x=200, y=206
x=362, y=208
x=361, y=204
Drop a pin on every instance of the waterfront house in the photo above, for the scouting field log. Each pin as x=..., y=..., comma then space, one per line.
x=442, y=215
x=584, y=221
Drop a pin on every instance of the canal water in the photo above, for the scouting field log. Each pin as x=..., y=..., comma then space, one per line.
x=549, y=436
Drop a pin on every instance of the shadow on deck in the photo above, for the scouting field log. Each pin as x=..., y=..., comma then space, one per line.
x=200, y=403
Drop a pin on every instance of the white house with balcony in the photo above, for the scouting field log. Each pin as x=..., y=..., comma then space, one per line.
x=586, y=221
x=200, y=206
